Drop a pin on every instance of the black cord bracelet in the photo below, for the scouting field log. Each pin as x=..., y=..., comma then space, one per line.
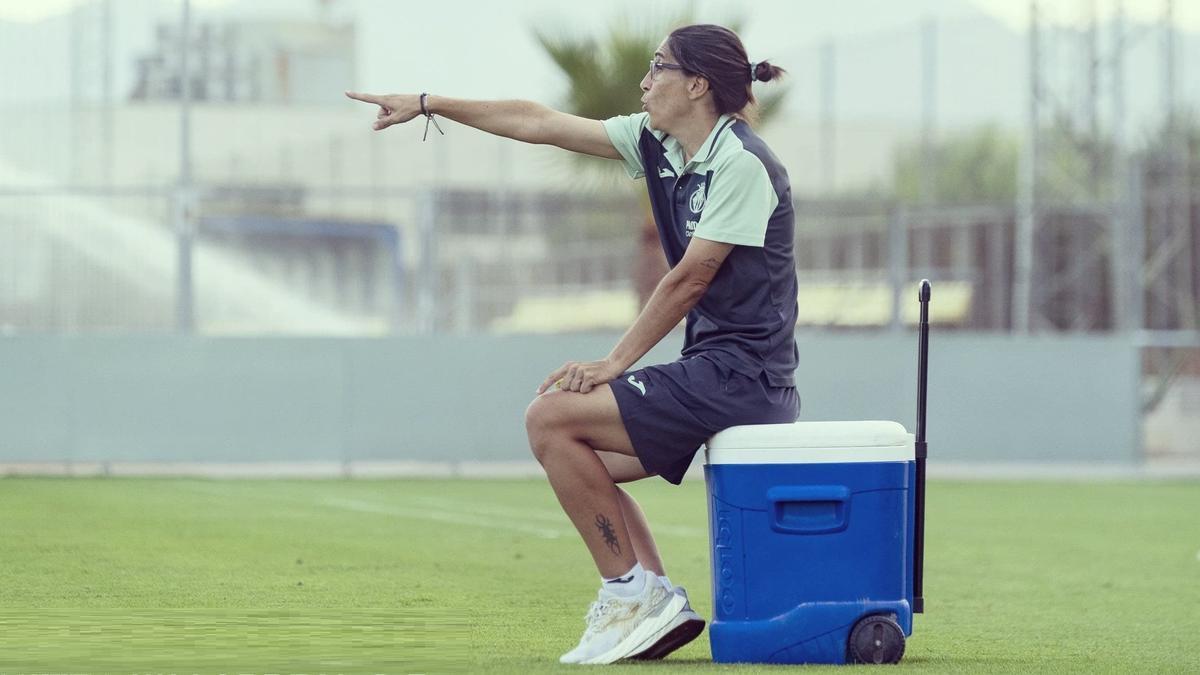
x=429, y=118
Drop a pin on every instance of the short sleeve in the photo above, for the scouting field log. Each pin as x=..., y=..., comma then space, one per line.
x=625, y=131
x=739, y=203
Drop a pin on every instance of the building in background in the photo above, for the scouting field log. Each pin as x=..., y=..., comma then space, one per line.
x=251, y=61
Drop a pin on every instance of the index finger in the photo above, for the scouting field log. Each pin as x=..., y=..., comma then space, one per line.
x=550, y=380
x=365, y=98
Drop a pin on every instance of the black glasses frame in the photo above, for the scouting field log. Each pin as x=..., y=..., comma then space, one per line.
x=657, y=67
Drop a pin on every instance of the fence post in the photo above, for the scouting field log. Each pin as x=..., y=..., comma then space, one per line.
x=897, y=263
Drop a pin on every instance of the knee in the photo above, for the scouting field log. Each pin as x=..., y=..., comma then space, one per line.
x=541, y=424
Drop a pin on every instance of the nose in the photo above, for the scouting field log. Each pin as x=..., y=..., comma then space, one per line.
x=646, y=82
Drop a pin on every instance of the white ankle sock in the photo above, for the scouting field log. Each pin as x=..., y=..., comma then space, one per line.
x=666, y=583
x=626, y=585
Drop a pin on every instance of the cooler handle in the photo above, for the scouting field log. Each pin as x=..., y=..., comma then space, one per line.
x=809, y=509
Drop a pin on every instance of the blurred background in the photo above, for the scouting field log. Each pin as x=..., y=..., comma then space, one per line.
x=207, y=255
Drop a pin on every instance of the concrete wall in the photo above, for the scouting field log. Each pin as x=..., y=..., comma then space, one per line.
x=462, y=398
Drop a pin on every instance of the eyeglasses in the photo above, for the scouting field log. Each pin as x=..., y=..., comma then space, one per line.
x=657, y=66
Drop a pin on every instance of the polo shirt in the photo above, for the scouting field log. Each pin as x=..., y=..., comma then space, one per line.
x=736, y=191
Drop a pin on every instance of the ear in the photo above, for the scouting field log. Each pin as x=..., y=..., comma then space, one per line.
x=698, y=87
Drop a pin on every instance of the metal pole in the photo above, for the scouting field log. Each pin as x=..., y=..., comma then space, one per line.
x=1092, y=50
x=897, y=263
x=1120, y=265
x=184, y=300
x=928, y=109
x=1136, y=228
x=1169, y=80
x=428, y=284
x=1158, y=271
x=1135, y=225
x=107, y=162
x=1027, y=189
x=75, y=95
x=996, y=240
x=464, y=305
x=828, y=141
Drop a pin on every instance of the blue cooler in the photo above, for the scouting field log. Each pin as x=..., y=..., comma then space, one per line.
x=812, y=542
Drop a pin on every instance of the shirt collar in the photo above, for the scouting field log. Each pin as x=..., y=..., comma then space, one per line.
x=674, y=149
x=706, y=150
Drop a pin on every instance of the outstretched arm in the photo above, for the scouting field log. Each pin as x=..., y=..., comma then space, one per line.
x=520, y=120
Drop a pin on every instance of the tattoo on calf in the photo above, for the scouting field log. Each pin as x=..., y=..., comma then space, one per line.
x=606, y=530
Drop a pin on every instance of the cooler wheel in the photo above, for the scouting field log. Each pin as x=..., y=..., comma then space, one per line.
x=876, y=639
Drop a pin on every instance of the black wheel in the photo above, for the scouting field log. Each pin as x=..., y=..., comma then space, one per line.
x=875, y=639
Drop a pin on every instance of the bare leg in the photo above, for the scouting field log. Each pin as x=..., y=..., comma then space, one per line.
x=624, y=469
x=639, y=535
x=564, y=428
x=589, y=498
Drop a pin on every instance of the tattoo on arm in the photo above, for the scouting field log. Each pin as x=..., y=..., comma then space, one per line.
x=711, y=263
x=606, y=530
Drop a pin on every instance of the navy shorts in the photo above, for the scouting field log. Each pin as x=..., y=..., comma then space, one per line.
x=670, y=410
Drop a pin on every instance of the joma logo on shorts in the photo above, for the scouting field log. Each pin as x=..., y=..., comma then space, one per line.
x=640, y=387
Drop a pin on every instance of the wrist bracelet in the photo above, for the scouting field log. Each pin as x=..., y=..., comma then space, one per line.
x=429, y=118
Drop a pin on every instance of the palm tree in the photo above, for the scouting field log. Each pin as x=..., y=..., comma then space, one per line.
x=603, y=76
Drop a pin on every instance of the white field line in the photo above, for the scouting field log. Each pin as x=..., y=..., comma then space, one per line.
x=399, y=511
x=459, y=513
x=473, y=520
x=485, y=509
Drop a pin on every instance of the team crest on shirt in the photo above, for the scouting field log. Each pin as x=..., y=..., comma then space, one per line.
x=697, y=201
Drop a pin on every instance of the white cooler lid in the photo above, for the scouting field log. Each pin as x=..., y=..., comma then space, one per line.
x=811, y=442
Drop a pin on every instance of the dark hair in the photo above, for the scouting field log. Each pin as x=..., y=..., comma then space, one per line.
x=717, y=53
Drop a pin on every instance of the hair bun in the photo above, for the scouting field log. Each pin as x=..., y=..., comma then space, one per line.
x=763, y=72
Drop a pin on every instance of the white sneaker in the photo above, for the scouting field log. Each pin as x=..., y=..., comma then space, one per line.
x=617, y=626
x=685, y=627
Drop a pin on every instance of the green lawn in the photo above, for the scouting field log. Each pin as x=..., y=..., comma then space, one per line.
x=397, y=576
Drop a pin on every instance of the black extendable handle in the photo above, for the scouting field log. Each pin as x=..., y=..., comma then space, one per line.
x=921, y=450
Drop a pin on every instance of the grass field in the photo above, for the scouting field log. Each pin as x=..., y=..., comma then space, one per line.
x=191, y=576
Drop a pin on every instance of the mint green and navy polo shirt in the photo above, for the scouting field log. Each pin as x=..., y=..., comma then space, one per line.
x=735, y=191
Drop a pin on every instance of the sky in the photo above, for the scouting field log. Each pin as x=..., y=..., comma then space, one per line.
x=1012, y=12
x=1016, y=12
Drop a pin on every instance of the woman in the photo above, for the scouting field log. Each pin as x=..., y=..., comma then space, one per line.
x=722, y=204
